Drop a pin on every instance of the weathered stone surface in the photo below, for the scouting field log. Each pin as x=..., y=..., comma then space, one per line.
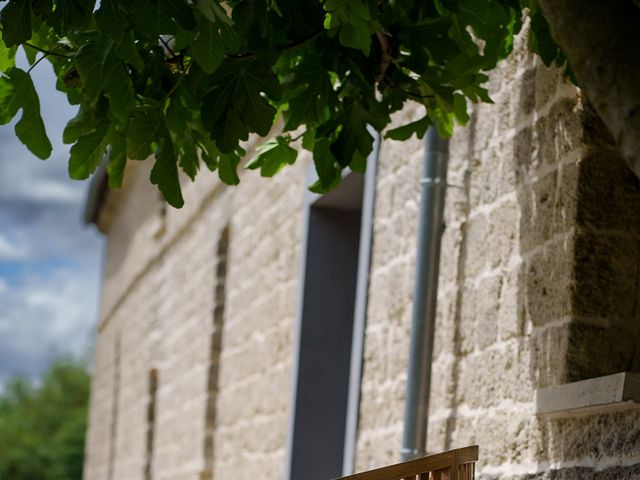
x=539, y=284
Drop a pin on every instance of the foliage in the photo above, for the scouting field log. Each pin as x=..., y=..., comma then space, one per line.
x=189, y=80
x=42, y=428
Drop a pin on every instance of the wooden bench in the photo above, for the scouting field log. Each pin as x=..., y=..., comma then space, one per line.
x=456, y=464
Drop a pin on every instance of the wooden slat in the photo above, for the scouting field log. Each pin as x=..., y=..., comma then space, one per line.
x=468, y=454
x=439, y=461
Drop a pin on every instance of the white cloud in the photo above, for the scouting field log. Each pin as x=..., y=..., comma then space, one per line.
x=49, y=262
x=9, y=251
x=46, y=315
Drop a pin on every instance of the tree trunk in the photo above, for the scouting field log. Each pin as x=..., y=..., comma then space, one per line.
x=601, y=40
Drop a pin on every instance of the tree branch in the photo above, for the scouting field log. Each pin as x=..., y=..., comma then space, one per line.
x=601, y=40
x=47, y=52
x=292, y=45
x=387, y=57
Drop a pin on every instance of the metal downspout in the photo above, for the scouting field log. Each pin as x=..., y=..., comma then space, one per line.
x=430, y=227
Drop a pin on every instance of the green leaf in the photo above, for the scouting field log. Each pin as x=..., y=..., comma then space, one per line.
x=158, y=17
x=419, y=127
x=7, y=57
x=460, y=109
x=207, y=49
x=83, y=123
x=354, y=136
x=358, y=162
x=228, y=168
x=117, y=160
x=164, y=173
x=235, y=105
x=30, y=128
x=71, y=15
x=213, y=11
x=326, y=167
x=7, y=111
x=88, y=152
x=314, y=97
x=272, y=156
x=144, y=128
x=112, y=20
x=128, y=51
x=540, y=40
x=16, y=22
x=352, y=19
x=188, y=159
x=102, y=72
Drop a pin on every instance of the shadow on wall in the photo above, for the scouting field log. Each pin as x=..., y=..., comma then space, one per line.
x=547, y=284
x=579, y=283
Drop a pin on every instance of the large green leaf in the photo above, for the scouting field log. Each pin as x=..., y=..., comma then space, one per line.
x=102, y=72
x=419, y=127
x=272, y=156
x=88, y=152
x=354, y=136
x=7, y=57
x=213, y=12
x=112, y=19
x=158, y=17
x=144, y=129
x=16, y=22
x=71, y=15
x=313, y=96
x=164, y=173
x=117, y=159
x=82, y=124
x=353, y=21
x=30, y=128
x=235, y=105
x=208, y=48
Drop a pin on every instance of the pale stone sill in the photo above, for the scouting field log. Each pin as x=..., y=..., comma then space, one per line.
x=612, y=393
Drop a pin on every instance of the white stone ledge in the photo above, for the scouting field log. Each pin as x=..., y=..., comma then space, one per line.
x=612, y=393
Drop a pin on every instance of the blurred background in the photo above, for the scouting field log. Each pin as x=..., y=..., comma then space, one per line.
x=50, y=267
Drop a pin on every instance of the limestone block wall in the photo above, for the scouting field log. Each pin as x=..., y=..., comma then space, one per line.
x=158, y=307
x=538, y=285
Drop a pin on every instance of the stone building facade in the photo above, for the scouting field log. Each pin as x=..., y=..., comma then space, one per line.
x=198, y=353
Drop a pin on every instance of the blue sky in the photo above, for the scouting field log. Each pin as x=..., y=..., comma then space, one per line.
x=50, y=262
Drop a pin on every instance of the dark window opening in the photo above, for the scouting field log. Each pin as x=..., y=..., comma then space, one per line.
x=326, y=328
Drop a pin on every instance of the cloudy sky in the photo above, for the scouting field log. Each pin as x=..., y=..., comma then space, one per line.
x=50, y=262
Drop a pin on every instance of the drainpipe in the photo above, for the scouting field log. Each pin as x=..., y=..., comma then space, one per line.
x=430, y=227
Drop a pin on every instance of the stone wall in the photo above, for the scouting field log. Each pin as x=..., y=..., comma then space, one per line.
x=158, y=299
x=538, y=286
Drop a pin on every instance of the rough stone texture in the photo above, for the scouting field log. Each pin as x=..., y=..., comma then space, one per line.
x=158, y=296
x=539, y=285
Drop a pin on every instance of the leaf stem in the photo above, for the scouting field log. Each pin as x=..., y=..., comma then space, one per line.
x=295, y=139
x=166, y=45
x=292, y=45
x=37, y=62
x=47, y=52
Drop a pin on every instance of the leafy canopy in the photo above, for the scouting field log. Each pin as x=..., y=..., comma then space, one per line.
x=42, y=429
x=188, y=81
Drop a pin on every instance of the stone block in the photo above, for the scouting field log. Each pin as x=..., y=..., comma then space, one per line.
x=604, y=266
x=606, y=176
x=512, y=313
x=550, y=284
x=477, y=245
x=548, y=355
x=595, y=351
x=487, y=297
